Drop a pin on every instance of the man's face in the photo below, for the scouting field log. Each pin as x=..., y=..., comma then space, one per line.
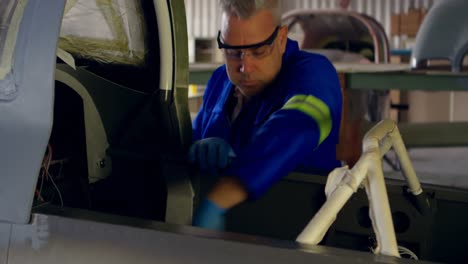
x=256, y=64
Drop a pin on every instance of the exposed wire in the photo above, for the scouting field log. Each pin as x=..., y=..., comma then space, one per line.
x=44, y=169
x=39, y=196
x=45, y=173
x=49, y=160
x=39, y=192
x=41, y=204
x=58, y=190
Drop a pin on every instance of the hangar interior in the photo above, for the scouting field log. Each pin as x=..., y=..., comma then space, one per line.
x=129, y=77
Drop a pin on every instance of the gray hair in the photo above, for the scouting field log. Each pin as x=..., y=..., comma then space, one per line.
x=247, y=8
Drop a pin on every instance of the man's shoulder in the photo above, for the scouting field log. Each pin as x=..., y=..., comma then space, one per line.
x=298, y=58
x=311, y=74
x=219, y=73
x=218, y=77
x=307, y=67
x=309, y=61
x=217, y=86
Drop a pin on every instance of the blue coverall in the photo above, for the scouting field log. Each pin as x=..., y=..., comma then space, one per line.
x=293, y=124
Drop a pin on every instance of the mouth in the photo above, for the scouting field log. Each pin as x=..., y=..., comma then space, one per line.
x=248, y=83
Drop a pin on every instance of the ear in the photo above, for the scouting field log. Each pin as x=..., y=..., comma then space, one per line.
x=283, y=37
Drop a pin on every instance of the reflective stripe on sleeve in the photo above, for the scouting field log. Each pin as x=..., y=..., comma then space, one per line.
x=315, y=108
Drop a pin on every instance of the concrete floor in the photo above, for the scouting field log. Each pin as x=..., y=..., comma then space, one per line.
x=438, y=166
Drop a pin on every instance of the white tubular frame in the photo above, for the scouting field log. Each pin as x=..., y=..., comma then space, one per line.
x=368, y=170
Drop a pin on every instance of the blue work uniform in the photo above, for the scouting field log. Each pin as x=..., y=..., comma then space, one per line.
x=293, y=124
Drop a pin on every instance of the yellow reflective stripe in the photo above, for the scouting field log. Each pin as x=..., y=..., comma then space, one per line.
x=315, y=108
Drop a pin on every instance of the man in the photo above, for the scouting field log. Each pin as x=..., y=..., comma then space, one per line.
x=269, y=110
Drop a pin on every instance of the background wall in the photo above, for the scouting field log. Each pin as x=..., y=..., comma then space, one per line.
x=203, y=15
x=203, y=19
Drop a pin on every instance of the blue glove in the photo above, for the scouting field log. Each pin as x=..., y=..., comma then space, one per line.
x=211, y=154
x=210, y=216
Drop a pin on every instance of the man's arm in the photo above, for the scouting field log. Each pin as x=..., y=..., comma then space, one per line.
x=227, y=192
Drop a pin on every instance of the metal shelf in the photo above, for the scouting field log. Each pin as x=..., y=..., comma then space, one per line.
x=407, y=81
x=371, y=77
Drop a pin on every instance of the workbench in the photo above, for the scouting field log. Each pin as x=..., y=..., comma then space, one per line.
x=384, y=77
x=371, y=77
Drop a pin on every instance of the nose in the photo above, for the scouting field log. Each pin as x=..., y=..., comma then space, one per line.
x=247, y=63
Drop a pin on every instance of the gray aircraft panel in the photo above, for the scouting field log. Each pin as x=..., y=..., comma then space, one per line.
x=55, y=239
x=26, y=120
x=5, y=232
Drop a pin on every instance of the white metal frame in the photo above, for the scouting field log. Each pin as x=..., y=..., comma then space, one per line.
x=26, y=118
x=367, y=171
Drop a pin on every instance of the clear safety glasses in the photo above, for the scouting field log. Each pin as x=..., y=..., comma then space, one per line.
x=258, y=50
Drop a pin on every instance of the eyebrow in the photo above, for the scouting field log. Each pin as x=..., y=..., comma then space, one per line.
x=268, y=41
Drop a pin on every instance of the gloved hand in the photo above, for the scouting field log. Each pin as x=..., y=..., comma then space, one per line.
x=209, y=215
x=211, y=154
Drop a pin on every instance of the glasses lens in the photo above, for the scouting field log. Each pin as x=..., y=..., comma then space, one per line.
x=261, y=52
x=257, y=53
x=233, y=53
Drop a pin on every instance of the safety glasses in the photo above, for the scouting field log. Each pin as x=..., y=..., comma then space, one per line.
x=258, y=50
